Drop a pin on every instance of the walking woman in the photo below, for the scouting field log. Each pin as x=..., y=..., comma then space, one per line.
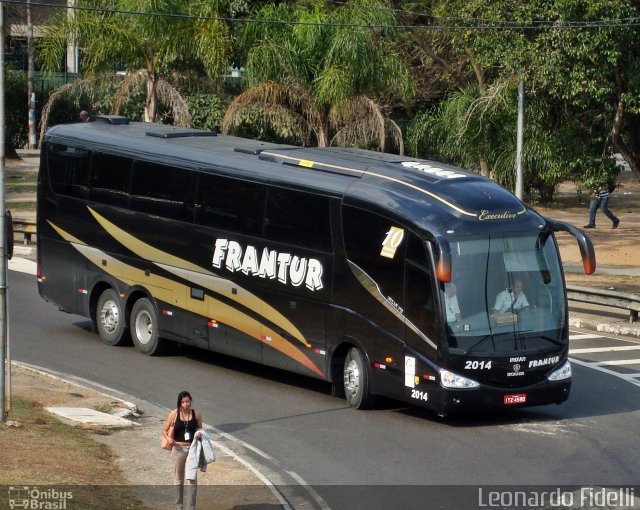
x=185, y=422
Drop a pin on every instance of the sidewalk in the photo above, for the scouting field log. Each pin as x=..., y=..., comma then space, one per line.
x=131, y=428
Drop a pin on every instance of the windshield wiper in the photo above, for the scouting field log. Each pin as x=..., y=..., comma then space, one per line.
x=541, y=337
x=551, y=339
x=482, y=340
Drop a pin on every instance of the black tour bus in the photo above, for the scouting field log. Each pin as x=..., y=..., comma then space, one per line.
x=335, y=263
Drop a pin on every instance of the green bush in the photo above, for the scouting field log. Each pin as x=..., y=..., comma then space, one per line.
x=16, y=111
x=207, y=110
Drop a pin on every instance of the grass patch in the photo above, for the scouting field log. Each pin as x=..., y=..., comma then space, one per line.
x=103, y=408
x=60, y=455
x=21, y=206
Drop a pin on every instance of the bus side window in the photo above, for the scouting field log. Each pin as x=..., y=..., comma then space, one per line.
x=230, y=204
x=365, y=235
x=298, y=218
x=68, y=170
x=110, y=176
x=419, y=291
x=163, y=190
x=420, y=302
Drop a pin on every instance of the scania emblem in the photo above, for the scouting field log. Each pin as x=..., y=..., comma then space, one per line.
x=516, y=368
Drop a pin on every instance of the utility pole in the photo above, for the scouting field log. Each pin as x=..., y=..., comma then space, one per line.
x=519, y=173
x=31, y=78
x=4, y=359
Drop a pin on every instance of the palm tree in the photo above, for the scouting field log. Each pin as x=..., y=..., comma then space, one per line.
x=311, y=74
x=147, y=38
x=476, y=131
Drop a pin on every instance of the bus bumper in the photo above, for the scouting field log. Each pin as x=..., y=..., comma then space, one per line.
x=447, y=401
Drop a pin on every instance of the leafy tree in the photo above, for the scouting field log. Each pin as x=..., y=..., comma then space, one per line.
x=595, y=70
x=313, y=72
x=149, y=39
x=573, y=107
x=467, y=127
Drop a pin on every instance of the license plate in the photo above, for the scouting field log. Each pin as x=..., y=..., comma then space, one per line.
x=518, y=398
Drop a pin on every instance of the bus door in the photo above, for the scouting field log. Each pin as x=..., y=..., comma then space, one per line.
x=421, y=324
x=375, y=248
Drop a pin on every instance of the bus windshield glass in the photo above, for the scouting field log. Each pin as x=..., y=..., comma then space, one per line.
x=506, y=295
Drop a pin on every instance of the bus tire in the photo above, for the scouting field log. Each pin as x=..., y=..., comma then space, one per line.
x=110, y=320
x=144, y=328
x=357, y=380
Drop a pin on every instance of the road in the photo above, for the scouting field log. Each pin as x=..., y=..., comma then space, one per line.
x=593, y=439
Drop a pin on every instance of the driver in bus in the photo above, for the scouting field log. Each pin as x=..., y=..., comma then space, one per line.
x=511, y=300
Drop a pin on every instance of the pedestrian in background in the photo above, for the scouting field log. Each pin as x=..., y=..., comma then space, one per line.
x=185, y=421
x=600, y=200
x=84, y=116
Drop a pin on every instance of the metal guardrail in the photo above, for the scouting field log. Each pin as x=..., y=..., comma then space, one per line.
x=25, y=227
x=610, y=298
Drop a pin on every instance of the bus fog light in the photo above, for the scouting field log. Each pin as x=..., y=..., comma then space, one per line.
x=451, y=380
x=561, y=373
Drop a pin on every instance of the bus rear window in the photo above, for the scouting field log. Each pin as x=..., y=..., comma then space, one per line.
x=68, y=170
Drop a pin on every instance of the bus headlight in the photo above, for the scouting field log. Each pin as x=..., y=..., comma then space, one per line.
x=451, y=380
x=561, y=373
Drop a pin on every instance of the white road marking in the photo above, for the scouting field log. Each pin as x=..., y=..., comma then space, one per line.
x=620, y=362
x=582, y=336
x=625, y=377
x=605, y=349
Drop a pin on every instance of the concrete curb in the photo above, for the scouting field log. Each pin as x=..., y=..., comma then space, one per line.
x=604, y=327
x=84, y=416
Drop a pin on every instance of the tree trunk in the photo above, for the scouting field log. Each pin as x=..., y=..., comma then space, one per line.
x=484, y=167
x=616, y=130
x=619, y=143
x=151, y=102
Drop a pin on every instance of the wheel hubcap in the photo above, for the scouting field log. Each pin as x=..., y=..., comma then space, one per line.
x=110, y=316
x=144, y=327
x=351, y=378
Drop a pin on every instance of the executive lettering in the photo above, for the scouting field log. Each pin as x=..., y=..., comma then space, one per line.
x=486, y=215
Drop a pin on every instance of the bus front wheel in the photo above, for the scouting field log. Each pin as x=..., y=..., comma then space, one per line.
x=144, y=328
x=356, y=380
x=110, y=319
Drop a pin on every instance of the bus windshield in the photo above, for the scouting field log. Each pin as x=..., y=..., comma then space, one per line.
x=506, y=295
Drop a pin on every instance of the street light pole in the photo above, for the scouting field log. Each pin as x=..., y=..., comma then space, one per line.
x=30, y=79
x=4, y=359
x=520, y=134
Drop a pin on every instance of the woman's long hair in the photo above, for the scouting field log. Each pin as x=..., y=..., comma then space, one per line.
x=181, y=395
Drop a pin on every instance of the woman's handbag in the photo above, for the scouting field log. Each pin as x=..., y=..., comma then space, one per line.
x=164, y=442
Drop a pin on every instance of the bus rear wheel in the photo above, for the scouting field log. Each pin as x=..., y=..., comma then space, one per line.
x=356, y=380
x=144, y=328
x=110, y=319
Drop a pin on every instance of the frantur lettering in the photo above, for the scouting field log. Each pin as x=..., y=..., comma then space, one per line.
x=289, y=269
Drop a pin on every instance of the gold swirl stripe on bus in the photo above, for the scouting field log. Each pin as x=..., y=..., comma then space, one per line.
x=174, y=293
x=206, y=279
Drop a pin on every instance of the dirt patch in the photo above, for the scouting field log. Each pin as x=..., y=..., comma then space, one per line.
x=619, y=247
x=128, y=463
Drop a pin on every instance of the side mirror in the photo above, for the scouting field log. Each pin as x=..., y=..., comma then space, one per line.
x=584, y=243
